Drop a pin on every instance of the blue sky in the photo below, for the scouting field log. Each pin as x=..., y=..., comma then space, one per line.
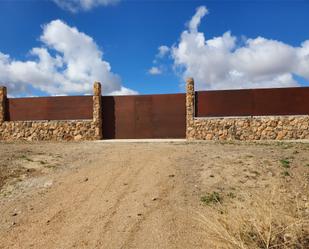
x=130, y=32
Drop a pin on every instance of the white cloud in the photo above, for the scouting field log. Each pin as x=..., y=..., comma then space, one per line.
x=82, y=5
x=196, y=19
x=162, y=51
x=155, y=71
x=224, y=63
x=68, y=62
x=124, y=91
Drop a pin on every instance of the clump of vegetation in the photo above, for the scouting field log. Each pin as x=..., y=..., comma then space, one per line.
x=211, y=198
x=260, y=221
x=285, y=163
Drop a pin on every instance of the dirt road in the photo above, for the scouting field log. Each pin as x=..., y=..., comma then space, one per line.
x=100, y=195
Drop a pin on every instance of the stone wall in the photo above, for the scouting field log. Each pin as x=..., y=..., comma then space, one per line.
x=243, y=128
x=2, y=103
x=97, y=110
x=62, y=130
x=47, y=130
x=250, y=128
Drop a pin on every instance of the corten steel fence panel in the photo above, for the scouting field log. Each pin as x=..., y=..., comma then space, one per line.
x=50, y=108
x=144, y=116
x=108, y=116
x=281, y=101
x=223, y=103
x=124, y=117
x=253, y=102
x=118, y=117
x=169, y=112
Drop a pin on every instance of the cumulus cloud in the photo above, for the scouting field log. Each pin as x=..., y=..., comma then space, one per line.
x=123, y=91
x=82, y=5
x=155, y=71
x=225, y=63
x=162, y=51
x=196, y=19
x=68, y=62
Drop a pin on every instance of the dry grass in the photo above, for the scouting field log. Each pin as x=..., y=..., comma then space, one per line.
x=268, y=220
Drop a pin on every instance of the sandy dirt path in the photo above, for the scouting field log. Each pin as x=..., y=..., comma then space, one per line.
x=129, y=197
x=137, y=195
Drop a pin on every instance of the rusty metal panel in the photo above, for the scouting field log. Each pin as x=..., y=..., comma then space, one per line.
x=144, y=116
x=169, y=112
x=50, y=108
x=124, y=117
x=253, y=102
x=108, y=116
x=224, y=103
x=281, y=101
x=118, y=117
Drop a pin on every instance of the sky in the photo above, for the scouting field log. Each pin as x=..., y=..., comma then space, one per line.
x=60, y=47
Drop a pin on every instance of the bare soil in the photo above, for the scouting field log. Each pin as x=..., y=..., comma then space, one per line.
x=142, y=195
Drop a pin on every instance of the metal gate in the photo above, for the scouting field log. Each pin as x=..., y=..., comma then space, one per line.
x=144, y=116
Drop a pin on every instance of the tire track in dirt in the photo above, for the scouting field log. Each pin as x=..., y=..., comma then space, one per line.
x=123, y=200
x=137, y=225
x=87, y=205
x=60, y=211
x=128, y=194
x=113, y=211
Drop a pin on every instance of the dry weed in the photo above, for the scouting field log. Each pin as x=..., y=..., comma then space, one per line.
x=268, y=220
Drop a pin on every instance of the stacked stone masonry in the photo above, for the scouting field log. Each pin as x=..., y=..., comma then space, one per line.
x=2, y=103
x=47, y=130
x=97, y=110
x=243, y=128
x=249, y=128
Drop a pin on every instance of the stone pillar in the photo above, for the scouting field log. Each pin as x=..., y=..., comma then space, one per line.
x=3, y=97
x=190, y=107
x=97, y=110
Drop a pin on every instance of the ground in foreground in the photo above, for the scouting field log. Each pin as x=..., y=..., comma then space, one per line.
x=154, y=195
